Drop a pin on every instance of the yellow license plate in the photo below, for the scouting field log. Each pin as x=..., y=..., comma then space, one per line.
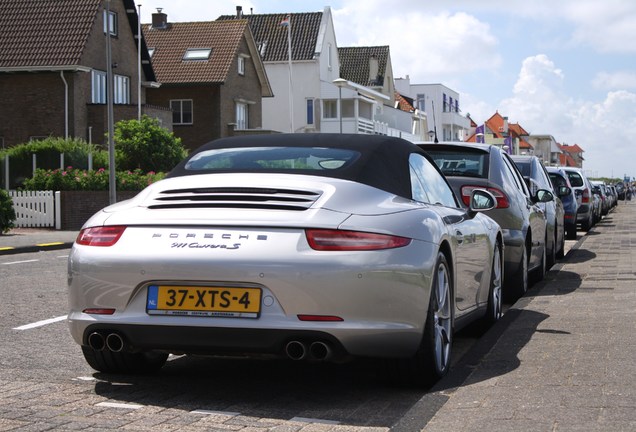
x=216, y=301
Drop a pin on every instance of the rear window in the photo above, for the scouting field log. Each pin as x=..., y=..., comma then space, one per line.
x=460, y=164
x=279, y=159
x=524, y=168
x=575, y=179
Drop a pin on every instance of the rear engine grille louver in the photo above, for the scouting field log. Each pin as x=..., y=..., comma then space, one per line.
x=238, y=198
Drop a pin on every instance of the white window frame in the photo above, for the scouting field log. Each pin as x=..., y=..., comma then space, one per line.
x=197, y=54
x=180, y=111
x=241, y=65
x=242, y=115
x=121, y=87
x=98, y=87
x=329, y=105
x=110, y=22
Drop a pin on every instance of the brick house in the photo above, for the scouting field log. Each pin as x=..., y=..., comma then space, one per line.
x=53, y=69
x=212, y=77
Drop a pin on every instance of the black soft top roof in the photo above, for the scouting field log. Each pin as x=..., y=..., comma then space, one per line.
x=383, y=161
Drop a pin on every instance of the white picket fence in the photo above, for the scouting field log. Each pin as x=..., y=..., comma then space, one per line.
x=36, y=209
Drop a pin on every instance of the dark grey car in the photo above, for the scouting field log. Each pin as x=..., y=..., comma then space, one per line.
x=469, y=166
x=537, y=177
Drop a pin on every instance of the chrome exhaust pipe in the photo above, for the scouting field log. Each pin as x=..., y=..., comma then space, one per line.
x=114, y=342
x=320, y=350
x=96, y=341
x=295, y=350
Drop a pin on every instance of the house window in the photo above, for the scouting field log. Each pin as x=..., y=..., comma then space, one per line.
x=241, y=65
x=181, y=111
x=310, y=111
x=122, y=90
x=110, y=22
x=98, y=87
x=456, y=106
x=445, y=104
x=450, y=104
x=421, y=102
x=197, y=54
x=262, y=47
x=151, y=51
x=330, y=109
x=241, y=115
x=329, y=56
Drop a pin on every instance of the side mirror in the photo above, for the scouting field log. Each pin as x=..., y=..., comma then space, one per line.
x=482, y=200
x=564, y=191
x=543, y=196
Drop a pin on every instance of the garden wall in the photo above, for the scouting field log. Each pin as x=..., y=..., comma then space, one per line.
x=78, y=206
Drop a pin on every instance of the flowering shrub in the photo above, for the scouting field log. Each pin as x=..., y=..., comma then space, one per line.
x=90, y=180
x=7, y=213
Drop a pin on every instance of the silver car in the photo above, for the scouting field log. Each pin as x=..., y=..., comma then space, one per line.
x=468, y=166
x=304, y=246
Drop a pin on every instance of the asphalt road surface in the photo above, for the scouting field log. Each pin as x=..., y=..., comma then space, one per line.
x=45, y=384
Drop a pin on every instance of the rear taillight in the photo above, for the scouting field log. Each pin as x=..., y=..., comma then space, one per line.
x=585, y=198
x=100, y=236
x=340, y=240
x=502, y=199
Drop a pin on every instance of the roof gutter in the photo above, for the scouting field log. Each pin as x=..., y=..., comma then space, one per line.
x=69, y=68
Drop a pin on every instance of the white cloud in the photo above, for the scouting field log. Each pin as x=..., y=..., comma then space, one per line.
x=427, y=47
x=615, y=80
x=606, y=130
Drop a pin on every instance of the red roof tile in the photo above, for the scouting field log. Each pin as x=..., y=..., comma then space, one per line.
x=41, y=33
x=170, y=45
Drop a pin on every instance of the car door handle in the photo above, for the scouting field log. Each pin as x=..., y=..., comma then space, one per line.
x=460, y=237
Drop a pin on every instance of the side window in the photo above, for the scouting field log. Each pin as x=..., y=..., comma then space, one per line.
x=435, y=187
x=515, y=176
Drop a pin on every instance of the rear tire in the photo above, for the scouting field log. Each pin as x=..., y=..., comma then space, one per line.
x=494, y=310
x=124, y=362
x=518, y=284
x=433, y=358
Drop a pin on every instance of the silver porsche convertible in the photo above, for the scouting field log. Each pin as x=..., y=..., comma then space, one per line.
x=320, y=247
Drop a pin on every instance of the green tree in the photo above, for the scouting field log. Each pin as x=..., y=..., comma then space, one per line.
x=145, y=145
x=7, y=213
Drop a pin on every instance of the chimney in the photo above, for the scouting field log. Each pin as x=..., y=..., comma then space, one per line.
x=239, y=12
x=159, y=20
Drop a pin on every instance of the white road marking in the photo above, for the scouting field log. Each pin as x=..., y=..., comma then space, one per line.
x=20, y=262
x=210, y=412
x=41, y=323
x=119, y=405
x=313, y=420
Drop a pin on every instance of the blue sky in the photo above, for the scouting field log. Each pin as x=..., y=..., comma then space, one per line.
x=566, y=68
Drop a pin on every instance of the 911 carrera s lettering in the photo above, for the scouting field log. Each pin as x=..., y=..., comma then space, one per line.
x=196, y=245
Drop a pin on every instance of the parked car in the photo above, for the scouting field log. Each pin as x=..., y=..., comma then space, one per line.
x=304, y=246
x=614, y=193
x=620, y=190
x=585, y=215
x=537, y=177
x=470, y=166
x=598, y=188
x=566, y=195
x=611, y=195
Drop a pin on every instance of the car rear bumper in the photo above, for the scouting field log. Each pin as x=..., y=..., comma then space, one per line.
x=340, y=342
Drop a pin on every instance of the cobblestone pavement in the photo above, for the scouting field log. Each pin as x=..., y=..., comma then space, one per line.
x=561, y=359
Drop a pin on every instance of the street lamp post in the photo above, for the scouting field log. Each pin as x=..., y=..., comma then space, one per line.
x=110, y=115
x=340, y=83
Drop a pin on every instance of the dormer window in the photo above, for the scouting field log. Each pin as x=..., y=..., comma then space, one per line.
x=197, y=54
